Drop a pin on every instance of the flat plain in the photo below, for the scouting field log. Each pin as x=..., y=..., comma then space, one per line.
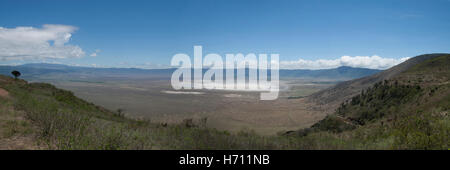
x=154, y=99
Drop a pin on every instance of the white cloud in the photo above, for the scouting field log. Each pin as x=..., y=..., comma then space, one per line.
x=94, y=54
x=373, y=62
x=28, y=43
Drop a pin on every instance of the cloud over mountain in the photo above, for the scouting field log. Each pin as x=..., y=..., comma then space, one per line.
x=372, y=62
x=48, y=42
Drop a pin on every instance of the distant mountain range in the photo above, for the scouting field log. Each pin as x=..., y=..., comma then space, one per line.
x=341, y=73
x=40, y=70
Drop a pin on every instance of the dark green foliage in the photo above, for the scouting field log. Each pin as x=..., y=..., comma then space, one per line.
x=422, y=131
x=333, y=124
x=378, y=101
x=16, y=74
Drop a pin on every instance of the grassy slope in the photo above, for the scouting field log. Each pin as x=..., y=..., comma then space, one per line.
x=407, y=111
x=66, y=122
x=394, y=115
x=15, y=131
x=335, y=95
x=59, y=120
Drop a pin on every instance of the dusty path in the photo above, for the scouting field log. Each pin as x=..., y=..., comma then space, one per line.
x=19, y=143
x=3, y=93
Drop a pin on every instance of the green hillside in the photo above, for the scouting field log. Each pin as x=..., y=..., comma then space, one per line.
x=409, y=111
x=49, y=118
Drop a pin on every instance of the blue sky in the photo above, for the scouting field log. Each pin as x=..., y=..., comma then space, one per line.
x=149, y=33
